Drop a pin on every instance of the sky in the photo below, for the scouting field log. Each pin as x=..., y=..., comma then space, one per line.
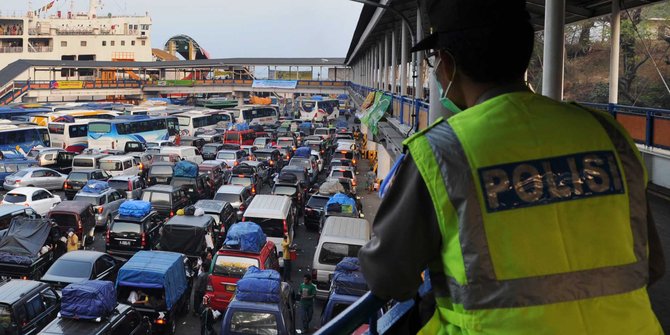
x=237, y=28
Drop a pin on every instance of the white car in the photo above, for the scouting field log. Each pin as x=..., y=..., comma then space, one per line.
x=319, y=159
x=39, y=199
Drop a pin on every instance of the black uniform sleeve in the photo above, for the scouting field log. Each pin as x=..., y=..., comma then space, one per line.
x=406, y=237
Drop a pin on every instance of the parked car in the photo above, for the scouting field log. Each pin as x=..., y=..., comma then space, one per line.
x=228, y=267
x=160, y=144
x=315, y=211
x=121, y=165
x=232, y=158
x=193, y=142
x=124, y=320
x=130, y=186
x=76, y=215
x=145, y=160
x=288, y=185
x=81, y=265
x=160, y=173
x=263, y=317
x=11, y=164
x=63, y=163
x=77, y=179
x=262, y=170
x=217, y=172
x=19, y=296
x=223, y=213
x=275, y=214
x=87, y=162
x=188, y=153
x=36, y=198
x=9, y=212
x=246, y=179
x=44, y=156
x=35, y=177
x=166, y=199
x=129, y=234
x=162, y=276
x=188, y=234
x=105, y=201
x=237, y=195
x=209, y=150
x=272, y=156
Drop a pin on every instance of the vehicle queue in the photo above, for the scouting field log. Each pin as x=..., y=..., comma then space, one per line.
x=158, y=198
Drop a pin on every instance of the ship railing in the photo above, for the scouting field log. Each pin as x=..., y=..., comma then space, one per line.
x=41, y=49
x=11, y=49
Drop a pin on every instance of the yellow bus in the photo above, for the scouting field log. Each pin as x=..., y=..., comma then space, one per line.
x=44, y=119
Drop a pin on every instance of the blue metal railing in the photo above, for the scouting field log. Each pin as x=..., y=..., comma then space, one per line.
x=418, y=109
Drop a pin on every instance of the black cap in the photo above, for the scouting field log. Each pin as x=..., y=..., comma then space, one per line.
x=450, y=16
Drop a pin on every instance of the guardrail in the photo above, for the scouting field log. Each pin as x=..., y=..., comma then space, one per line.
x=239, y=82
x=648, y=126
x=408, y=110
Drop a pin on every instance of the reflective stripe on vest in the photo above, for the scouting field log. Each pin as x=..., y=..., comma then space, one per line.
x=483, y=290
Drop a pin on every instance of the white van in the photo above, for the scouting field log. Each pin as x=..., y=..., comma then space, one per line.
x=120, y=165
x=275, y=214
x=188, y=153
x=341, y=237
x=87, y=162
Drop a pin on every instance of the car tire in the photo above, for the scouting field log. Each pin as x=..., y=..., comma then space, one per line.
x=30, y=186
x=89, y=239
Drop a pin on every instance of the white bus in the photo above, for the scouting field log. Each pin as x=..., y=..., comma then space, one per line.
x=319, y=109
x=255, y=114
x=114, y=134
x=44, y=119
x=71, y=136
x=192, y=121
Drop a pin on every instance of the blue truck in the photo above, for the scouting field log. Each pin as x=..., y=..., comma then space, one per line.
x=157, y=285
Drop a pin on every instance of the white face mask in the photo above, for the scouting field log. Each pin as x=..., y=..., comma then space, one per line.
x=444, y=100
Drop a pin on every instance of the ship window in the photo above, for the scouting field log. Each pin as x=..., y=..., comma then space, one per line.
x=104, y=43
x=83, y=43
x=123, y=43
x=112, y=43
x=144, y=43
x=63, y=44
x=132, y=42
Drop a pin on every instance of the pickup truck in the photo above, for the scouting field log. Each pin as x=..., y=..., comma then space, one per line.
x=22, y=251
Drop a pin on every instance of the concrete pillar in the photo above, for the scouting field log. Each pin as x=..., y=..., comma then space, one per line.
x=385, y=67
x=418, y=90
x=615, y=41
x=404, y=52
x=554, y=49
x=394, y=63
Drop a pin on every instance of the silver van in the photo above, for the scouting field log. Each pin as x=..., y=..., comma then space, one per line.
x=341, y=237
x=87, y=162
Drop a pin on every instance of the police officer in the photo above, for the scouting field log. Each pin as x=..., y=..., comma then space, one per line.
x=530, y=214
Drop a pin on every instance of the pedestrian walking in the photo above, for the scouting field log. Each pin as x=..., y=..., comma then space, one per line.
x=72, y=240
x=207, y=318
x=307, y=294
x=523, y=208
x=200, y=287
x=370, y=179
x=286, y=255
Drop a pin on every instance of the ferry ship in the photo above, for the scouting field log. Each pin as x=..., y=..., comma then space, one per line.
x=75, y=36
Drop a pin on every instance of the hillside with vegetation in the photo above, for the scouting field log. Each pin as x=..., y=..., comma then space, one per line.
x=644, y=64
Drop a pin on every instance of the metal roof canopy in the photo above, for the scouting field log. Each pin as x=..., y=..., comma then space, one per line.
x=198, y=63
x=373, y=26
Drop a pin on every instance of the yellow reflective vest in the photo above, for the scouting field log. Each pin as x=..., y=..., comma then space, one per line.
x=543, y=216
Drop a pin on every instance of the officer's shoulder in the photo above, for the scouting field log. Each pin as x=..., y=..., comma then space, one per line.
x=423, y=132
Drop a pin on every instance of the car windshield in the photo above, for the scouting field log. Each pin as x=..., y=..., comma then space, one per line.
x=161, y=169
x=271, y=227
x=233, y=266
x=317, y=202
x=14, y=198
x=125, y=227
x=156, y=197
x=111, y=166
x=246, y=322
x=285, y=190
x=78, y=176
x=95, y=201
x=285, y=143
x=333, y=253
x=341, y=173
x=121, y=185
x=303, y=162
x=152, y=144
x=70, y=269
x=226, y=155
x=321, y=131
x=244, y=181
x=82, y=162
x=263, y=155
x=228, y=197
x=33, y=153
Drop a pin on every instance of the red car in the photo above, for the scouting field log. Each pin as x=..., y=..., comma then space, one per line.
x=229, y=265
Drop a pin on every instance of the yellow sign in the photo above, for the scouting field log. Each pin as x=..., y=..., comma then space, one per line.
x=67, y=85
x=290, y=75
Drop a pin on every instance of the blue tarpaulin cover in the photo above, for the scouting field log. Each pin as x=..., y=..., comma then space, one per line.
x=241, y=126
x=156, y=269
x=259, y=286
x=186, y=169
x=304, y=152
x=342, y=124
x=346, y=203
x=135, y=208
x=347, y=279
x=88, y=300
x=247, y=236
x=95, y=186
